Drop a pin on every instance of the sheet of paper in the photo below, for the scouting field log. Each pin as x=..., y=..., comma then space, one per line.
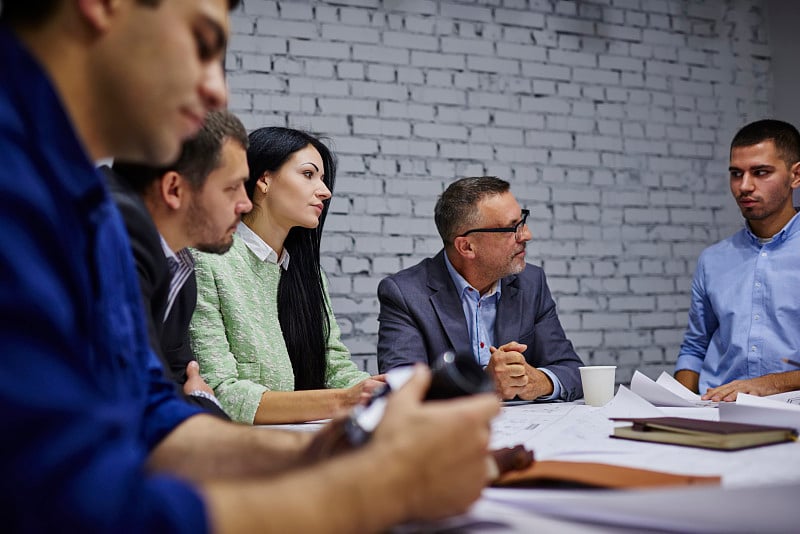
x=518, y=424
x=773, y=401
x=660, y=395
x=668, y=381
x=698, y=509
x=628, y=404
x=760, y=411
x=790, y=397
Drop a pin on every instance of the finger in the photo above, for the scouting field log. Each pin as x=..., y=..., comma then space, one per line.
x=514, y=346
x=508, y=357
x=516, y=370
x=492, y=470
x=193, y=369
x=731, y=397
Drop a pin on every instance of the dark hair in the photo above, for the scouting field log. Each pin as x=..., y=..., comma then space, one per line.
x=456, y=211
x=32, y=13
x=784, y=135
x=302, y=312
x=199, y=156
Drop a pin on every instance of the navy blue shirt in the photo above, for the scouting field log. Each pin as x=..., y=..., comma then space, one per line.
x=82, y=395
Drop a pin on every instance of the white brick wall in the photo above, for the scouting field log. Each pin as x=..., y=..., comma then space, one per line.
x=611, y=119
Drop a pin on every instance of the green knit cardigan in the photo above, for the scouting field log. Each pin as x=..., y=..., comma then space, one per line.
x=236, y=335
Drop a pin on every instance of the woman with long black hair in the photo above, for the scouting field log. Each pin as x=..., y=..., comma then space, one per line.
x=263, y=330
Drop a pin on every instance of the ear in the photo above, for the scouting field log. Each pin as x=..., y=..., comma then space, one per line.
x=99, y=13
x=173, y=190
x=795, y=170
x=263, y=183
x=464, y=247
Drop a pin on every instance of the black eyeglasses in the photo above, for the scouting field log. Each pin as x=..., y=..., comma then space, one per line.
x=516, y=229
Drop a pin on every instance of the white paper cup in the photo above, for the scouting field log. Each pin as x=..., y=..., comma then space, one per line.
x=598, y=384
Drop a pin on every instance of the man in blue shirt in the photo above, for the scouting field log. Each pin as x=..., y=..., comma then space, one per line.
x=478, y=296
x=745, y=308
x=95, y=438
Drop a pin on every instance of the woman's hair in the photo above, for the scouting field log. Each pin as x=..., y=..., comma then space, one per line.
x=302, y=312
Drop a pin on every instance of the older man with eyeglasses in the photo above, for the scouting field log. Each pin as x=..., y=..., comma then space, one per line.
x=479, y=297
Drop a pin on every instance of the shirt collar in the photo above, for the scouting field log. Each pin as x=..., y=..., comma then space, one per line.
x=462, y=285
x=168, y=252
x=260, y=248
x=790, y=228
x=183, y=256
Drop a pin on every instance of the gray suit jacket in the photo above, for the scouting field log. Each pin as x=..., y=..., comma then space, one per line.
x=421, y=317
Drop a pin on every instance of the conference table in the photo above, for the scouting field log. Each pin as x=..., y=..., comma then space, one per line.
x=759, y=490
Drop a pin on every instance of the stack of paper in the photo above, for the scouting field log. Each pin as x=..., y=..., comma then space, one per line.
x=666, y=391
x=761, y=411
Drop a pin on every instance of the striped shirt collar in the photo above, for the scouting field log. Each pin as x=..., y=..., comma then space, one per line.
x=181, y=266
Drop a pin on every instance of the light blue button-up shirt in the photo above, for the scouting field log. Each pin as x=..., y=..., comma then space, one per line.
x=480, y=312
x=745, y=310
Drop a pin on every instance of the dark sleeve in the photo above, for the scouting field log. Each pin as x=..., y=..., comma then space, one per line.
x=550, y=347
x=72, y=457
x=151, y=266
x=175, y=338
x=400, y=340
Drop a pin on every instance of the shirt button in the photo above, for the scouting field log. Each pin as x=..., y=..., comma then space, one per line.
x=753, y=348
x=481, y=344
x=755, y=317
x=763, y=254
x=758, y=284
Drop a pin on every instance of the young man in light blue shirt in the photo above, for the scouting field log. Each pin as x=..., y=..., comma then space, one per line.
x=746, y=290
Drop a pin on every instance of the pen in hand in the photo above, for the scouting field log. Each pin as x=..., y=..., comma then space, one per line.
x=791, y=362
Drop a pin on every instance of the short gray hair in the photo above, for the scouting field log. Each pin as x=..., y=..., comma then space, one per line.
x=456, y=210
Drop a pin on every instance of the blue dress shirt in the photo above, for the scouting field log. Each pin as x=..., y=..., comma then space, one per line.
x=480, y=312
x=83, y=397
x=745, y=308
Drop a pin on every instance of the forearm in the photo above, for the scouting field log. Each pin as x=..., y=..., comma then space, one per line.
x=787, y=381
x=690, y=379
x=279, y=407
x=204, y=447
x=357, y=492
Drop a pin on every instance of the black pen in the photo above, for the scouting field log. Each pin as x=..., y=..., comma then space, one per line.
x=791, y=362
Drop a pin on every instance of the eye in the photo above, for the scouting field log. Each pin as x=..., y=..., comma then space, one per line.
x=761, y=172
x=736, y=174
x=308, y=174
x=205, y=49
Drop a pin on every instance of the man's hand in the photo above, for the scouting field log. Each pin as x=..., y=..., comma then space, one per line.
x=194, y=381
x=437, y=450
x=761, y=386
x=513, y=376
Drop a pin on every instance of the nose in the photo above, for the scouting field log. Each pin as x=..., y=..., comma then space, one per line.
x=323, y=192
x=245, y=204
x=747, y=184
x=525, y=234
x=213, y=88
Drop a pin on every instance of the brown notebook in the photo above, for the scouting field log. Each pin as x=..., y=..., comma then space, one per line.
x=552, y=473
x=716, y=435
